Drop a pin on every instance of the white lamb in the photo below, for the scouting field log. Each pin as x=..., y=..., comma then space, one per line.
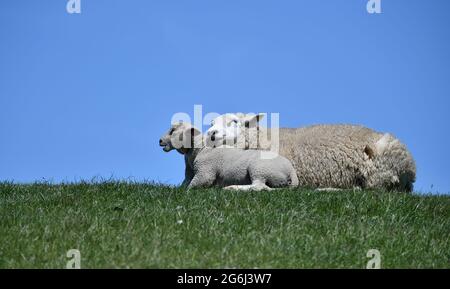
x=326, y=156
x=230, y=168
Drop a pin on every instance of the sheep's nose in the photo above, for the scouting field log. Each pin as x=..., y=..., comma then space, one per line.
x=160, y=142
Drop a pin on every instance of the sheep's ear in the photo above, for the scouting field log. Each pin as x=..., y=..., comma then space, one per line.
x=369, y=151
x=194, y=132
x=252, y=120
x=191, y=133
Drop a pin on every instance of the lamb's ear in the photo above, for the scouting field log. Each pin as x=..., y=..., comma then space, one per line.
x=191, y=133
x=195, y=132
x=252, y=120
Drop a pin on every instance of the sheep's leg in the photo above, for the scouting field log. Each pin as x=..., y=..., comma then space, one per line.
x=255, y=186
x=328, y=189
x=201, y=180
x=188, y=175
x=186, y=182
x=247, y=188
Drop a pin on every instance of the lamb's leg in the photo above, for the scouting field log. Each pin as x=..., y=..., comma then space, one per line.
x=255, y=186
x=328, y=189
x=188, y=175
x=202, y=180
x=185, y=182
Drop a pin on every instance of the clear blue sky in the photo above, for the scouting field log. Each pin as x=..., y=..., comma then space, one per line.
x=89, y=95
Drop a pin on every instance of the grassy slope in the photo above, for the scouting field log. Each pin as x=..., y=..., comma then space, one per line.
x=136, y=225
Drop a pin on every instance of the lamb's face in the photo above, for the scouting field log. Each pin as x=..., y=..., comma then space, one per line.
x=180, y=137
x=166, y=140
x=225, y=129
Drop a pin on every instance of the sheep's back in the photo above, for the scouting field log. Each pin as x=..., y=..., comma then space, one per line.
x=329, y=155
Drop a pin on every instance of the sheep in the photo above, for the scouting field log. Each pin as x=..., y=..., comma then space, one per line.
x=327, y=156
x=226, y=167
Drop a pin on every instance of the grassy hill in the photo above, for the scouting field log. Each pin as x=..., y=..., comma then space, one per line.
x=116, y=224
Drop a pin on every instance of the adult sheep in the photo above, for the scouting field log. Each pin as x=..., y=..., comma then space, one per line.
x=327, y=156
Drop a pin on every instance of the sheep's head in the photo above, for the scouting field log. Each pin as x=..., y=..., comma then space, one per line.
x=225, y=129
x=180, y=136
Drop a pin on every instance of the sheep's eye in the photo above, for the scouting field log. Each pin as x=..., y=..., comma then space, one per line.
x=171, y=131
x=233, y=122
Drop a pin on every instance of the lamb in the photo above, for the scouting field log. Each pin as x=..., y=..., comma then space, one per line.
x=326, y=156
x=229, y=168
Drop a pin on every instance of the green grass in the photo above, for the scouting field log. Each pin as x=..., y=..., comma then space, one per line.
x=134, y=225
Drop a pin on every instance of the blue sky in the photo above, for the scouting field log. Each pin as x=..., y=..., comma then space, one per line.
x=88, y=95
